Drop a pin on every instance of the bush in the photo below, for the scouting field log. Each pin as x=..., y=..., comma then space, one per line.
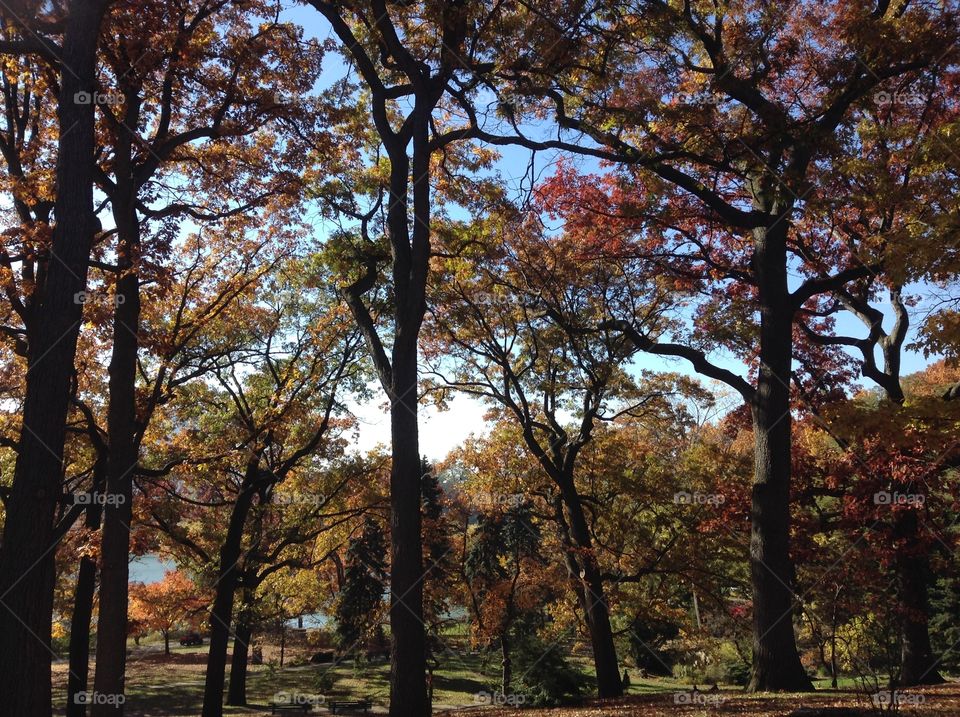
x=647, y=640
x=547, y=677
x=715, y=662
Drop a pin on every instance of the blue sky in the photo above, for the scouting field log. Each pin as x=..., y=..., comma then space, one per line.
x=440, y=432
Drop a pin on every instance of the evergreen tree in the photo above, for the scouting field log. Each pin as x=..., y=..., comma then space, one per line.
x=365, y=578
x=439, y=566
x=945, y=621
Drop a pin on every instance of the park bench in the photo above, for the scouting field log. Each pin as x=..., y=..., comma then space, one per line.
x=283, y=707
x=343, y=705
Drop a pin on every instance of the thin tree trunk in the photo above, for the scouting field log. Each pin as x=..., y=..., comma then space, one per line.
x=776, y=661
x=237, y=691
x=122, y=457
x=833, y=641
x=222, y=611
x=27, y=559
x=506, y=675
x=594, y=603
x=80, y=636
x=79, y=659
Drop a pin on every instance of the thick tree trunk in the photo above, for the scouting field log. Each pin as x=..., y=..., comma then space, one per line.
x=776, y=662
x=593, y=600
x=237, y=691
x=121, y=464
x=408, y=645
x=222, y=610
x=27, y=558
x=918, y=664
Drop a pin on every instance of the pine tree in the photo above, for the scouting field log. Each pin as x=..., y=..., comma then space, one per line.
x=438, y=559
x=364, y=584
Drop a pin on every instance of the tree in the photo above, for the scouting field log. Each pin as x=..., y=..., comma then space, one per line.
x=497, y=323
x=359, y=605
x=195, y=93
x=877, y=482
x=439, y=554
x=719, y=125
x=505, y=547
x=407, y=58
x=27, y=559
x=166, y=605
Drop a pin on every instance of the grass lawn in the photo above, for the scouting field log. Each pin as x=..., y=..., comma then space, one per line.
x=161, y=686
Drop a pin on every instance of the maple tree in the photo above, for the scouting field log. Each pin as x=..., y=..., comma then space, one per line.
x=166, y=605
x=885, y=494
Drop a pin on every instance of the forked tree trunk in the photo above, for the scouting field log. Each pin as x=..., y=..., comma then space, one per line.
x=27, y=559
x=776, y=662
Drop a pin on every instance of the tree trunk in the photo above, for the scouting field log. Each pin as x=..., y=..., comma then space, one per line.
x=918, y=664
x=80, y=636
x=166, y=642
x=27, y=559
x=222, y=609
x=408, y=645
x=506, y=675
x=776, y=662
x=593, y=600
x=77, y=677
x=237, y=691
x=121, y=463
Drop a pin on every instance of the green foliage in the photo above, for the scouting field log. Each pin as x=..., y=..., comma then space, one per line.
x=647, y=639
x=945, y=622
x=545, y=675
x=361, y=598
